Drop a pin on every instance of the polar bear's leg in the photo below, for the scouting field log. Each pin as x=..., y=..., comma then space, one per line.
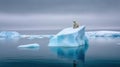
x=75, y=25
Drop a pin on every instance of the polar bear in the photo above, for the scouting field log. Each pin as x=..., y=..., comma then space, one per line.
x=75, y=25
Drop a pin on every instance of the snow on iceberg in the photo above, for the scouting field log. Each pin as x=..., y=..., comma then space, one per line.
x=94, y=34
x=9, y=35
x=69, y=37
x=34, y=45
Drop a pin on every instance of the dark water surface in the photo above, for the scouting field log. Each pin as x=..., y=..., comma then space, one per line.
x=101, y=52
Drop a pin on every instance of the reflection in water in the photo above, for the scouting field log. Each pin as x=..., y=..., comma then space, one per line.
x=74, y=63
x=75, y=54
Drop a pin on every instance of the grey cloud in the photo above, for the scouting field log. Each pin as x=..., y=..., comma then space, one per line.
x=59, y=6
x=59, y=13
x=57, y=20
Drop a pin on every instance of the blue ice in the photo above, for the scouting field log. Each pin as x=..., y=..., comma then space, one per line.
x=69, y=37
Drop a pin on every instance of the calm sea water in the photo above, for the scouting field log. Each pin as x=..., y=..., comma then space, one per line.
x=100, y=52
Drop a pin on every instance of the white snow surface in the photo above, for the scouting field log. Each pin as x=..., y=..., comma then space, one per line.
x=70, y=30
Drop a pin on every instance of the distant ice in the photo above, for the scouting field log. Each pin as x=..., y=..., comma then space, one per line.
x=69, y=37
x=34, y=45
x=73, y=37
x=31, y=37
x=9, y=35
x=95, y=34
x=35, y=37
x=16, y=35
x=47, y=36
x=2, y=38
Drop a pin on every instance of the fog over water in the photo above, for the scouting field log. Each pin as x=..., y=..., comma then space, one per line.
x=59, y=14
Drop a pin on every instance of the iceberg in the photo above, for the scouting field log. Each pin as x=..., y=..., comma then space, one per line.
x=9, y=35
x=94, y=34
x=69, y=37
x=34, y=45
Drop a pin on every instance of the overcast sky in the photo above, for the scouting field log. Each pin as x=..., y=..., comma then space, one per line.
x=59, y=14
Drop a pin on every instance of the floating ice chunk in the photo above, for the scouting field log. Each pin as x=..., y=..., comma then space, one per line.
x=34, y=45
x=94, y=34
x=47, y=36
x=35, y=37
x=32, y=36
x=31, y=49
x=9, y=35
x=69, y=37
